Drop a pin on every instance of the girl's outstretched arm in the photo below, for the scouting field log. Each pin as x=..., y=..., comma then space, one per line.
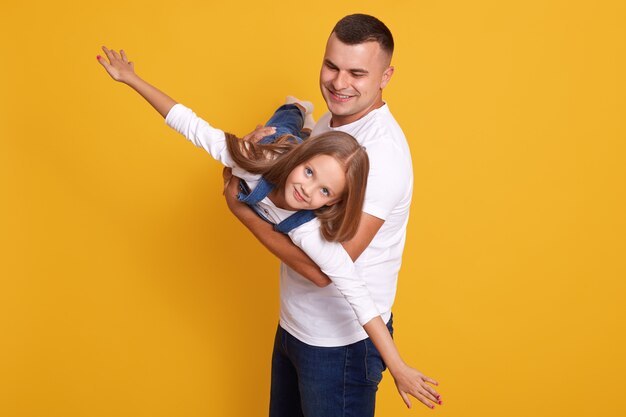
x=408, y=380
x=122, y=70
x=336, y=263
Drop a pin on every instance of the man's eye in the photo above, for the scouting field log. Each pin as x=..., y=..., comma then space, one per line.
x=325, y=192
x=308, y=172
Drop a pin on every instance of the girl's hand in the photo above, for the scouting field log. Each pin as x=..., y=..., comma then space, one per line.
x=118, y=67
x=411, y=381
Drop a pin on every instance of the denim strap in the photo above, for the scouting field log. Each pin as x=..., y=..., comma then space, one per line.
x=295, y=220
x=262, y=189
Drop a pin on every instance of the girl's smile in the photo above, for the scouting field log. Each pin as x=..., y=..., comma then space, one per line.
x=297, y=195
x=318, y=182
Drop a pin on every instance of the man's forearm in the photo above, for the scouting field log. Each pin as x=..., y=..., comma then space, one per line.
x=277, y=243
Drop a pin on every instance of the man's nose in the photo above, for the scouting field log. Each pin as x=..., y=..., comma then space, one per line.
x=340, y=81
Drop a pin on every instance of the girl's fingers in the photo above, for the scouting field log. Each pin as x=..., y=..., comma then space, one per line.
x=117, y=56
x=110, y=69
x=424, y=400
x=406, y=399
x=107, y=53
x=117, y=59
x=103, y=62
x=429, y=395
x=432, y=392
x=111, y=54
x=430, y=380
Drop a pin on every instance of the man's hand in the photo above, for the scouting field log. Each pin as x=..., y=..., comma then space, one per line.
x=259, y=133
x=231, y=189
x=227, y=175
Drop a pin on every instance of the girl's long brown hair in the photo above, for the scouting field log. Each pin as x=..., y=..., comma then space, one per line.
x=340, y=221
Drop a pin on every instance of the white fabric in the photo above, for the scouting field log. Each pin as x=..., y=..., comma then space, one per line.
x=321, y=316
x=331, y=257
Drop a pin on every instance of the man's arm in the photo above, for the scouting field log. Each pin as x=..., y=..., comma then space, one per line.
x=277, y=243
x=368, y=227
x=282, y=247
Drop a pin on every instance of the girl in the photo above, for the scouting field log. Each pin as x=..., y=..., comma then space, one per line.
x=324, y=176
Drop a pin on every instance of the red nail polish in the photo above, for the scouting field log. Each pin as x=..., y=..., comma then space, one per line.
x=98, y=57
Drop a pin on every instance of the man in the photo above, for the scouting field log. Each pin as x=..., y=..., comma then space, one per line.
x=323, y=362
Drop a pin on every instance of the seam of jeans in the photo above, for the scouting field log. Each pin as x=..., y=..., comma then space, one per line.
x=283, y=341
x=373, y=379
x=367, y=370
x=345, y=371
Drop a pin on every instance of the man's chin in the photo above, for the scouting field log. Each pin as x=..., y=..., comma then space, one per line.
x=339, y=109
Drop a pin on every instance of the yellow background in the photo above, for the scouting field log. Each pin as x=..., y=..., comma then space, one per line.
x=127, y=289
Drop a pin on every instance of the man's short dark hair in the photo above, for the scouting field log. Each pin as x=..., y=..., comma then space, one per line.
x=358, y=28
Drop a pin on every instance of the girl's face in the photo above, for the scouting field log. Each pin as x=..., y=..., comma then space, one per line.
x=318, y=182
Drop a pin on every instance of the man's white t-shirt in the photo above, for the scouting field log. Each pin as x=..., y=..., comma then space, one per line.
x=322, y=316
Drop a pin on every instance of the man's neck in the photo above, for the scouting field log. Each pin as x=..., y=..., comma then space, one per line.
x=337, y=120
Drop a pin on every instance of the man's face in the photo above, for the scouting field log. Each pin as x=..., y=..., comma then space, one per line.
x=352, y=78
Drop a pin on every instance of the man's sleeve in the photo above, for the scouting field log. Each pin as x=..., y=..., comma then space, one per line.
x=389, y=179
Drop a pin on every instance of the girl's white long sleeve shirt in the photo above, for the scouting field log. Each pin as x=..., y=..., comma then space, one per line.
x=348, y=288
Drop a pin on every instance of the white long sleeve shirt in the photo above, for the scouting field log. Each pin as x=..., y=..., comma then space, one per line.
x=331, y=257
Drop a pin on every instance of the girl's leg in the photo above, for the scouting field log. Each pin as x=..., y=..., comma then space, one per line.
x=289, y=119
x=309, y=122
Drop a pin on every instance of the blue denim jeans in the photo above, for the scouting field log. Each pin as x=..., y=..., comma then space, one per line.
x=288, y=120
x=311, y=381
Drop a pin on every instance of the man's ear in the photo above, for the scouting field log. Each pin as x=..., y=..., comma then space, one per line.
x=386, y=77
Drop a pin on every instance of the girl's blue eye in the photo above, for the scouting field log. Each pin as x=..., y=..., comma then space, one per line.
x=325, y=192
x=308, y=172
